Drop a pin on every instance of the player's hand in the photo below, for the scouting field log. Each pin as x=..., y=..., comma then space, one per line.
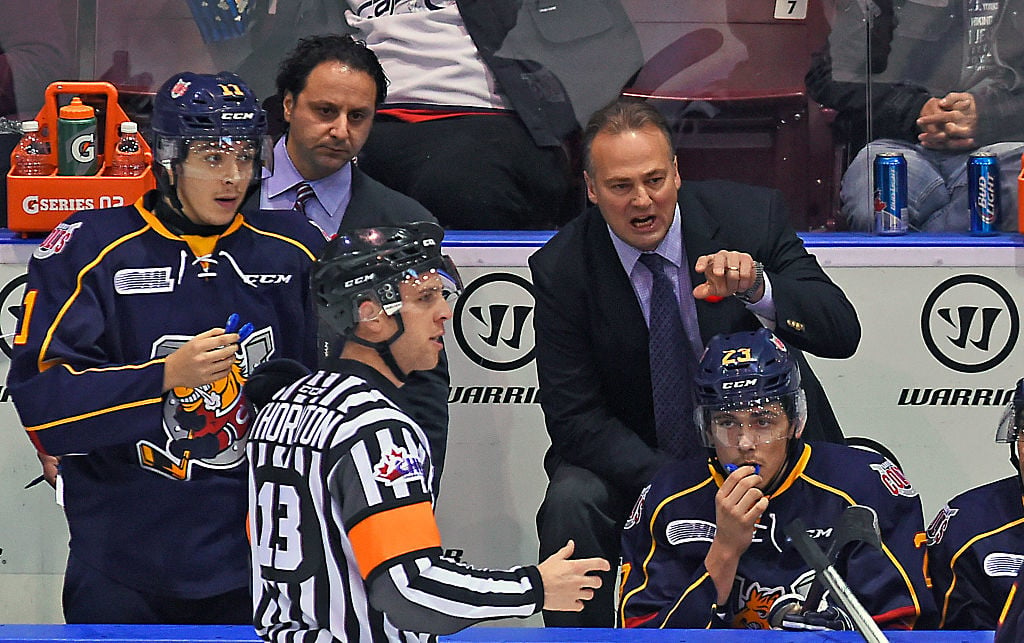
x=50, y=464
x=567, y=583
x=726, y=272
x=738, y=506
x=205, y=358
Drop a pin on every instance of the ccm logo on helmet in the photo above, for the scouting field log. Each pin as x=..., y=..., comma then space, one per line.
x=358, y=280
x=738, y=384
x=429, y=242
x=236, y=116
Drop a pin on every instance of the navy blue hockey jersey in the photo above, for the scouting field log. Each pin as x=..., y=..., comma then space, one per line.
x=154, y=484
x=975, y=551
x=665, y=583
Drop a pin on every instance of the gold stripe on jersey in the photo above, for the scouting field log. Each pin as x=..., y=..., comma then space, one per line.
x=956, y=557
x=389, y=534
x=42, y=363
x=885, y=549
x=654, y=544
x=91, y=414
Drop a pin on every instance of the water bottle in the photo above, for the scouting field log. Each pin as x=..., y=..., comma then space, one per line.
x=76, y=136
x=129, y=158
x=30, y=157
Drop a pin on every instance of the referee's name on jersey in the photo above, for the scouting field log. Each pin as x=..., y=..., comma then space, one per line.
x=290, y=423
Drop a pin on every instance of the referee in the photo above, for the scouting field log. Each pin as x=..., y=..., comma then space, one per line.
x=344, y=542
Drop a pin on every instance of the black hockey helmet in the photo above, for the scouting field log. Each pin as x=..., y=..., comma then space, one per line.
x=742, y=371
x=369, y=264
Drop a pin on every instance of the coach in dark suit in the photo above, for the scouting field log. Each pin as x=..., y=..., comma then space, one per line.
x=330, y=87
x=728, y=241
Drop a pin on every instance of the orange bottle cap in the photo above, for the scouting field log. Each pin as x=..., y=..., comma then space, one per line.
x=77, y=110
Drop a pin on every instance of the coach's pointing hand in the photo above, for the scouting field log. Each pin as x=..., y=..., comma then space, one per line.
x=567, y=583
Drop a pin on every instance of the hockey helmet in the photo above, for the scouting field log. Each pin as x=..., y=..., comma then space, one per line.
x=218, y=111
x=748, y=371
x=369, y=264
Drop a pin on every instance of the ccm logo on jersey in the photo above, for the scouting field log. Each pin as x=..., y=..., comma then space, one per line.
x=894, y=480
x=738, y=384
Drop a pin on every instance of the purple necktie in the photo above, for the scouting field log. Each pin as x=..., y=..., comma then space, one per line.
x=303, y=194
x=673, y=365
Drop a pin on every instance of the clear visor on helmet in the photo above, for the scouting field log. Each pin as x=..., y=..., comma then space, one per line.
x=220, y=158
x=752, y=422
x=416, y=288
x=1009, y=427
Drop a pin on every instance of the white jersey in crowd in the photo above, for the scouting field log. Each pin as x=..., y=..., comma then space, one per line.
x=406, y=36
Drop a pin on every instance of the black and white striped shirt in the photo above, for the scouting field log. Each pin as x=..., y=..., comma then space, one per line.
x=344, y=542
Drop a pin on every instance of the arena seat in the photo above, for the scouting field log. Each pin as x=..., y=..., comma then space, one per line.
x=729, y=78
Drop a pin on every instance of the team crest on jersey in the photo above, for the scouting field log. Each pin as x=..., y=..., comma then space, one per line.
x=638, y=510
x=206, y=426
x=397, y=466
x=937, y=529
x=179, y=88
x=56, y=241
x=894, y=480
x=753, y=604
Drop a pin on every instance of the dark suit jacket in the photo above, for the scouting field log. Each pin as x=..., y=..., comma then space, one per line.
x=425, y=392
x=592, y=344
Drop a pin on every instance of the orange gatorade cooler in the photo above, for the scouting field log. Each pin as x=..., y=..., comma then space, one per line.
x=36, y=204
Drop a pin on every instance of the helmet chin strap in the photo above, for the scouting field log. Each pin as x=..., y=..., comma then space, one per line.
x=384, y=348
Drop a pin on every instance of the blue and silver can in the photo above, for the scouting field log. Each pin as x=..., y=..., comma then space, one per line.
x=983, y=193
x=890, y=193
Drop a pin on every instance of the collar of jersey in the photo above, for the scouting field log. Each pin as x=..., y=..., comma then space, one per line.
x=795, y=471
x=158, y=226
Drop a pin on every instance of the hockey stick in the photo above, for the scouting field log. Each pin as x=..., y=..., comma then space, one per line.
x=796, y=532
x=857, y=523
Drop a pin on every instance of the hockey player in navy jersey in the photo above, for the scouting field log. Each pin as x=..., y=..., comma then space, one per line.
x=345, y=546
x=705, y=544
x=140, y=324
x=976, y=541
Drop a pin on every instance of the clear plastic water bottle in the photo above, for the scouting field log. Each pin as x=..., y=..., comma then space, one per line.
x=31, y=155
x=129, y=158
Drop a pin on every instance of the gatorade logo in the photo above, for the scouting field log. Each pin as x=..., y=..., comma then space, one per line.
x=83, y=148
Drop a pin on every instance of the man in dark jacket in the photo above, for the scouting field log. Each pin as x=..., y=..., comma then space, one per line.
x=735, y=264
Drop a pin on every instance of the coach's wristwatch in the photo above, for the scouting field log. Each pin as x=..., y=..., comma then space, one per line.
x=747, y=296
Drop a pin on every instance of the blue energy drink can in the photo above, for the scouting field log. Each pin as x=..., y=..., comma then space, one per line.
x=890, y=193
x=983, y=193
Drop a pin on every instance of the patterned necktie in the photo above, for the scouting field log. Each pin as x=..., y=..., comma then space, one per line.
x=303, y=194
x=673, y=365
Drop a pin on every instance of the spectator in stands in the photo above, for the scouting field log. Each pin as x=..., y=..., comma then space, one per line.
x=331, y=86
x=485, y=99
x=939, y=80
x=704, y=547
x=600, y=368
x=976, y=542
